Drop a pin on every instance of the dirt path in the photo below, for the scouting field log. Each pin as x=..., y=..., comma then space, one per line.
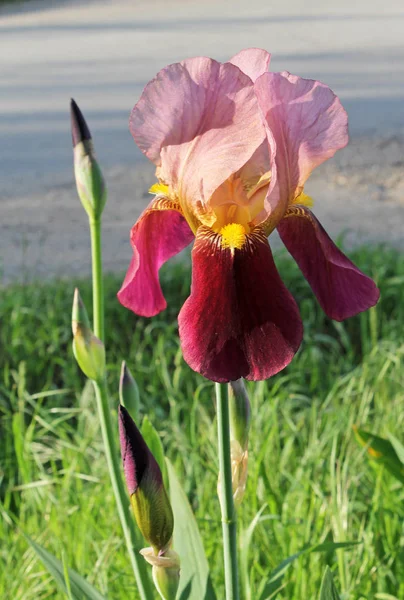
x=360, y=192
x=102, y=53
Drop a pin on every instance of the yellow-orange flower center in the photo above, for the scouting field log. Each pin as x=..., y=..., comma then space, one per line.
x=233, y=236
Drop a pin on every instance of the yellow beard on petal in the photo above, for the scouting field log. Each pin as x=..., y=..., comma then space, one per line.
x=304, y=200
x=233, y=236
x=159, y=188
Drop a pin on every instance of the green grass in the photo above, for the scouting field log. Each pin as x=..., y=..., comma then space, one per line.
x=305, y=466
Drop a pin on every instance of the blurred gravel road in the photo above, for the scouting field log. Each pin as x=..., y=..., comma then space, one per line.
x=103, y=53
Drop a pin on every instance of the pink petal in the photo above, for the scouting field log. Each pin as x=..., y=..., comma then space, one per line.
x=252, y=61
x=199, y=120
x=308, y=123
x=341, y=288
x=240, y=320
x=157, y=236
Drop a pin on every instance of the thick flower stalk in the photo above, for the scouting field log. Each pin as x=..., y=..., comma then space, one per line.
x=150, y=504
x=233, y=147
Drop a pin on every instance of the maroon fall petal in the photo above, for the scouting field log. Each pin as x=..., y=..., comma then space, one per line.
x=158, y=235
x=136, y=456
x=340, y=287
x=240, y=320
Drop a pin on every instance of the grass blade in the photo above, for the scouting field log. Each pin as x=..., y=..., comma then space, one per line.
x=195, y=578
x=77, y=588
x=328, y=590
x=383, y=451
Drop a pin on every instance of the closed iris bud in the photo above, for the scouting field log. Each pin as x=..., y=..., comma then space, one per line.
x=149, y=499
x=89, y=180
x=129, y=392
x=88, y=350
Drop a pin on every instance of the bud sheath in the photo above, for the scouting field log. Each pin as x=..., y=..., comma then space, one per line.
x=240, y=412
x=166, y=571
x=240, y=420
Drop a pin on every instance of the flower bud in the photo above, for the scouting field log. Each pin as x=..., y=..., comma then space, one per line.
x=150, y=503
x=88, y=350
x=166, y=572
x=89, y=180
x=129, y=392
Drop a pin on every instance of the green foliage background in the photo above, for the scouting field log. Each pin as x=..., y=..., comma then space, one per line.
x=306, y=469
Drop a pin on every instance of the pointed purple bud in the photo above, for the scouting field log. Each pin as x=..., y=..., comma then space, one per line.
x=136, y=456
x=80, y=130
x=89, y=180
x=150, y=503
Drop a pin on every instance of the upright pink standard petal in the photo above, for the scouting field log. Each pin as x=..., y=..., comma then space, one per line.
x=308, y=123
x=252, y=61
x=240, y=320
x=199, y=122
x=341, y=288
x=157, y=236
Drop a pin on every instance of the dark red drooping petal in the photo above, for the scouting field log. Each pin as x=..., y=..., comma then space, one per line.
x=240, y=320
x=340, y=287
x=159, y=234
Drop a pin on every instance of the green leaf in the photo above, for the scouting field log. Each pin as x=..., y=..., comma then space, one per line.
x=383, y=451
x=398, y=447
x=152, y=439
x=273, y=586
x=195, y=578
x=68, y=581
x=246, y=540
x=328, y=590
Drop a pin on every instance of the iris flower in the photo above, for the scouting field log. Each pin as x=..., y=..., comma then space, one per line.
x=233, y=147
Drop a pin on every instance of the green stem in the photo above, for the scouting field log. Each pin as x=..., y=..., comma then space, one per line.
x=98, y=283
x=229, y=524
x=121, y=497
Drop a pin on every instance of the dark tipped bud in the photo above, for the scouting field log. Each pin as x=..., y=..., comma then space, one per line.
x=80, y=130
x=150, y=503
x=88, y=350
x=89, y=180
x=129, y=392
